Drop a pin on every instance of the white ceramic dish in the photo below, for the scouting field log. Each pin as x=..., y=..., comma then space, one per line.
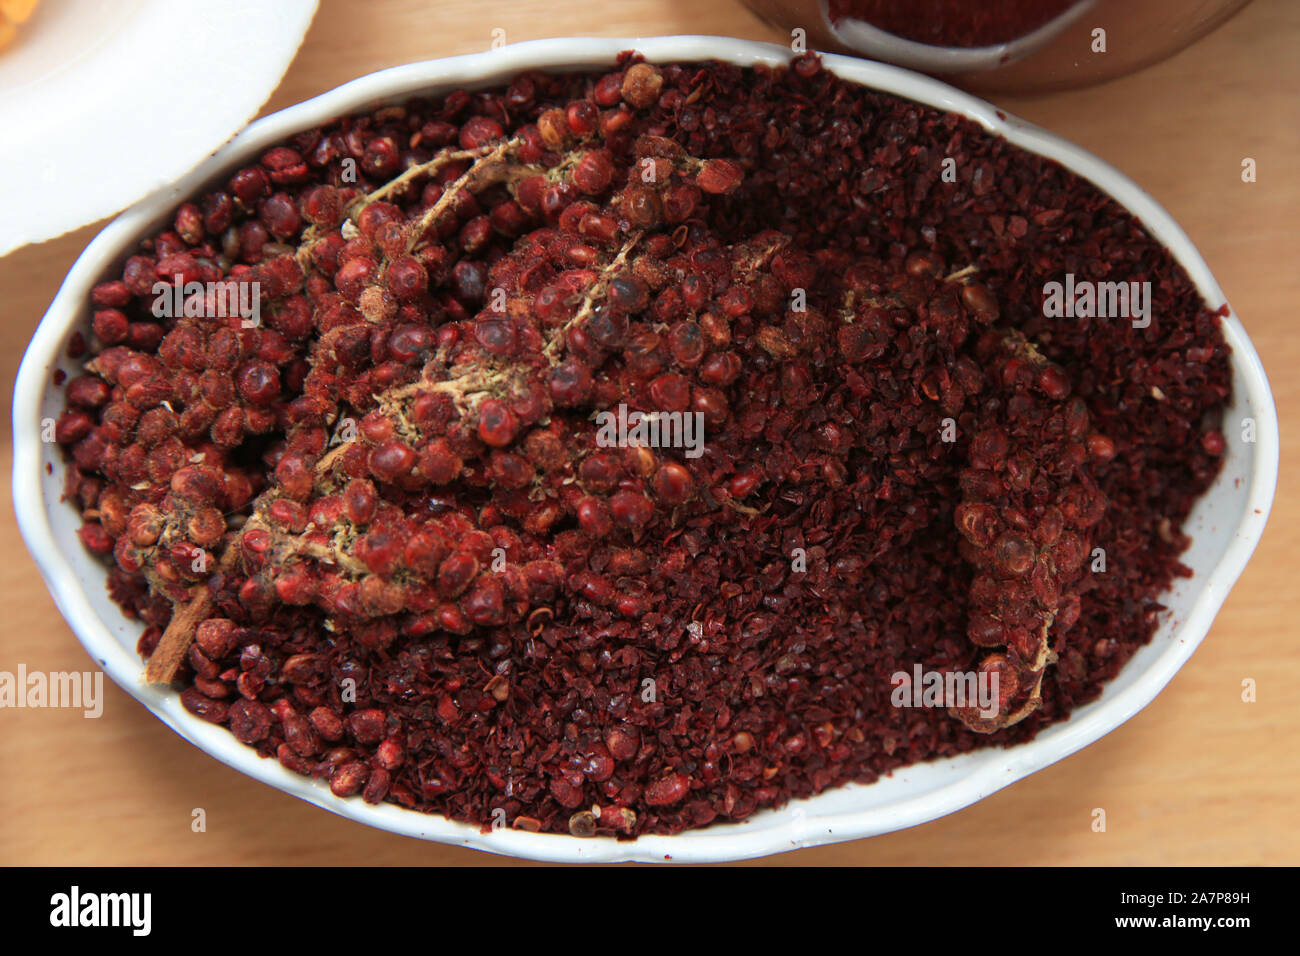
x=90, y=84
x=1225, y=526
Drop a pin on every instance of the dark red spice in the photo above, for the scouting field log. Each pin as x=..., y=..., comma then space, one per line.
x=409, y=569
x=957, y=23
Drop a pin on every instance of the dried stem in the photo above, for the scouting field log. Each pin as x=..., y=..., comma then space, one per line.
x=170, y=653
x=419, y=169
x=592, y=295
x=449, y=155
x=479, y=174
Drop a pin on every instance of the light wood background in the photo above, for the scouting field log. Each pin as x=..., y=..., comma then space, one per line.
x=1199, y=777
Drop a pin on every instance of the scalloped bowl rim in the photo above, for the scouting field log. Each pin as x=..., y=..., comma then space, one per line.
x=908, y=797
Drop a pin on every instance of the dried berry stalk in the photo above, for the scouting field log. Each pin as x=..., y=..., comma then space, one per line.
x=1028, y=501
x=341, y=546
x=495, y=378
x=191, y=343
x=1028, y=507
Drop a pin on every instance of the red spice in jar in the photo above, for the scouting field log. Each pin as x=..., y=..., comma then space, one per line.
x=411, y=570
x=955, y=23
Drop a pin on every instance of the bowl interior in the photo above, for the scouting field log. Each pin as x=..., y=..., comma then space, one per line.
x=1224, y=526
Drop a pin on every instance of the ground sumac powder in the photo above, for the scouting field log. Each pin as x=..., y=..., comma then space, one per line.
x=372, y=526
x=955, y=23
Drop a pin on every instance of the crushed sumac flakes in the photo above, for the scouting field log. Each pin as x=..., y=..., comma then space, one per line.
x=353, y=469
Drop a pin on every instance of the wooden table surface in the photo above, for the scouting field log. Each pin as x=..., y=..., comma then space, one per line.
x=1199, y=777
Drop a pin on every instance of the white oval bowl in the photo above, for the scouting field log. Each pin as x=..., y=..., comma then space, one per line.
x=1225, y=525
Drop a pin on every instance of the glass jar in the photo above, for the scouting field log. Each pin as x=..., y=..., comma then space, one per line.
x=1009, y=46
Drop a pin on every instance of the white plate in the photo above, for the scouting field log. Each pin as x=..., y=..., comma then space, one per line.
x=105, y=101
x=1225, y=525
